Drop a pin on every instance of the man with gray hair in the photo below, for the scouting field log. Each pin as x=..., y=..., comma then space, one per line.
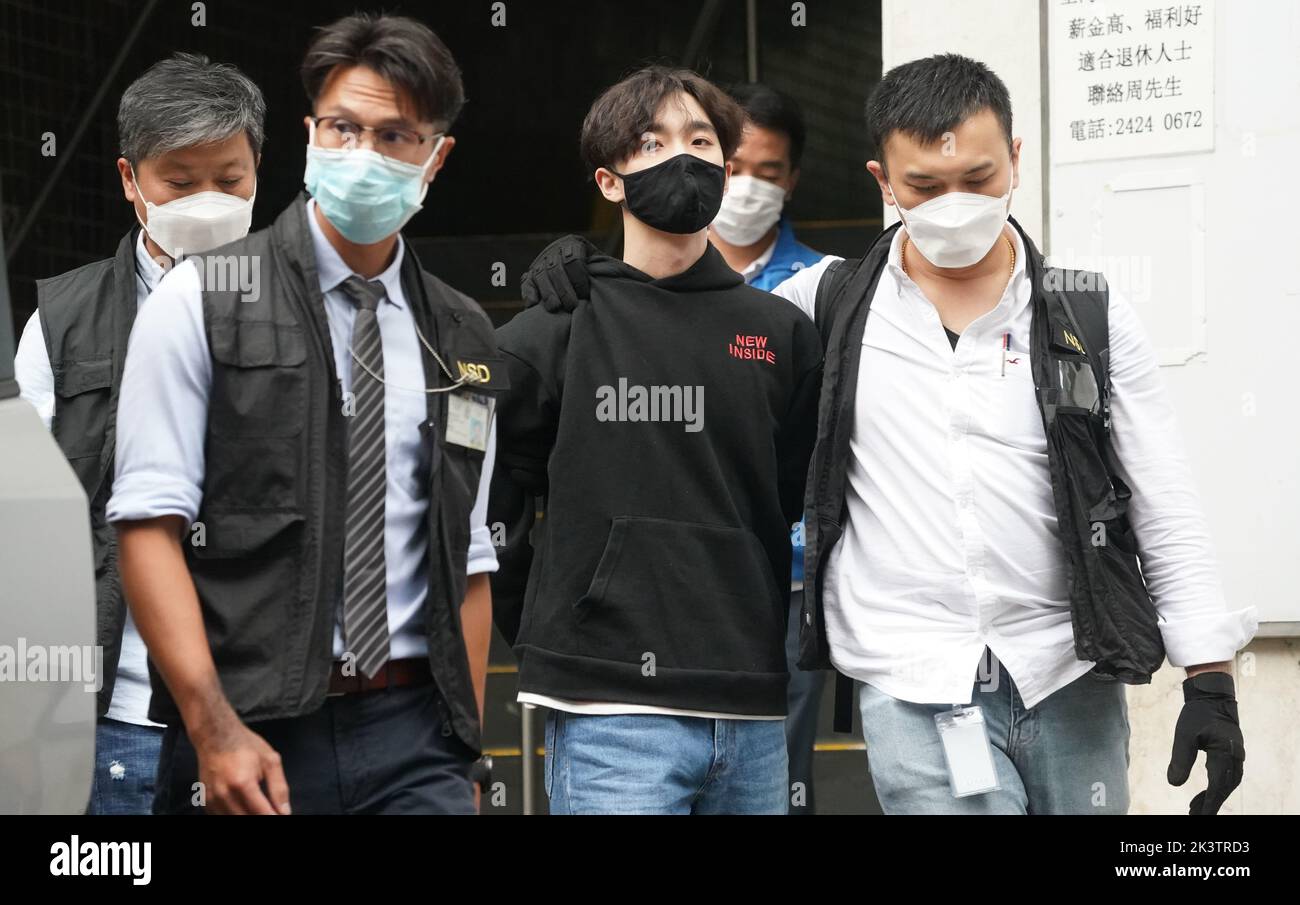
x=190, y=134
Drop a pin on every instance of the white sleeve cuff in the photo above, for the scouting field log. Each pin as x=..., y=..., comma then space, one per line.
x=1212, y=637
x=144, y=495
x=482, y=555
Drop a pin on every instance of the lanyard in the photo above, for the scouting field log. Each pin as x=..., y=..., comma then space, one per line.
x=457, y=382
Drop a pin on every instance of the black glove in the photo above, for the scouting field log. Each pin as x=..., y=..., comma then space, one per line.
x=1209, y=723
x=480, y=772
x=558, y=278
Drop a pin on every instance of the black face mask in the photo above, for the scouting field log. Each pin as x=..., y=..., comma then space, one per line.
x=681, y=195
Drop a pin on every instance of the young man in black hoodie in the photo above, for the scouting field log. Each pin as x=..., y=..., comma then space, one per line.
x=668, y=421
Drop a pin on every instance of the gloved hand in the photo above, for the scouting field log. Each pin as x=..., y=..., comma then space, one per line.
x=558, y=278
x=1209, y=723
x=480, y=772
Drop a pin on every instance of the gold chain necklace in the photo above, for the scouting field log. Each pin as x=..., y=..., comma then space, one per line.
x=902, y=254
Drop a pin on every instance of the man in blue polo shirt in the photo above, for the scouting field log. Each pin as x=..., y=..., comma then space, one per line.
x=753, y=237
x=759, y=244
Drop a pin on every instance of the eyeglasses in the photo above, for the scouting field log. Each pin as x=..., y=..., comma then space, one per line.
x=391, y=141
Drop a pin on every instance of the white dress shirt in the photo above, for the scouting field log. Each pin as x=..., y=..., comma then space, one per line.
x=951, y=541
x=755, y=267
x=162, y=418
x=35, y=378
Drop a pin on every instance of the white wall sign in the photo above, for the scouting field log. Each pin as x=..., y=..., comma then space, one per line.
x=1130, y=78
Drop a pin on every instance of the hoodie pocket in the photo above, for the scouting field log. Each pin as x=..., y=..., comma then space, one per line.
x=682, y=595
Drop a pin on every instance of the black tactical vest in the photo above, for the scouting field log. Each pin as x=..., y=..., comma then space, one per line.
x=270, y=573
x=86, y=316
x=1113, y=618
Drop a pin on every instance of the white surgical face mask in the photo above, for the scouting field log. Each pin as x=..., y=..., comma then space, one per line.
x=956, y=229
x=196, y=223
x=749, y=209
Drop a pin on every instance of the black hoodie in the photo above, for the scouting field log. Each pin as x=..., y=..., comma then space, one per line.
x=668, y=423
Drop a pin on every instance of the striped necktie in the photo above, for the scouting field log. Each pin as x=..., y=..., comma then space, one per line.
x=365, y=578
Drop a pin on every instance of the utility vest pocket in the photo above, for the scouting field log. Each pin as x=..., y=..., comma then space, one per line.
x=1076, y=383
x=248, y=579
x=83, y=391
x=257, y=413
x=259, y=382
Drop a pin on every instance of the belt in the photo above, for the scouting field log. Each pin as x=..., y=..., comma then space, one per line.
x=393, y=674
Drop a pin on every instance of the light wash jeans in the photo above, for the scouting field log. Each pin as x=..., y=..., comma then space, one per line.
x=1068, y=755
x=656, y=764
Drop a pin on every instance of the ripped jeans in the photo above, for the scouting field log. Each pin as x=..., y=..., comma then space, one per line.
x=126, y=764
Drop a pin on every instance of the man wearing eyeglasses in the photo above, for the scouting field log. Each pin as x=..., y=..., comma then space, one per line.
x=318, y=639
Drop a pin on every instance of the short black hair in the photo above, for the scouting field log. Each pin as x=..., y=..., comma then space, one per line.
x=926, y=98
x=399, y=49
x=624, y=112
x=772, y=109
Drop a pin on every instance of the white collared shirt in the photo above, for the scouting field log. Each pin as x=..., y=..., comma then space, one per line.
x=162, y=418
x=35, y=378
x=951, y=541
x=755, y=267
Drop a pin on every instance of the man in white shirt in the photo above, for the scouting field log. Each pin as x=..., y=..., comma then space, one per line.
x=935, y=552
x=190, y=134
x=320, y=636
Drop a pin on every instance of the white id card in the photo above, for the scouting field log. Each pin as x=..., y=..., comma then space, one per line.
x=468, y=417
x=967, y=750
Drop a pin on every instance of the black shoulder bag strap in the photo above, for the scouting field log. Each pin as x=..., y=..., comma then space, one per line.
x=832, y=282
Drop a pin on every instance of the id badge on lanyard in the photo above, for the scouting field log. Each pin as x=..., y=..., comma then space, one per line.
x=967, y=750
x=469, y=415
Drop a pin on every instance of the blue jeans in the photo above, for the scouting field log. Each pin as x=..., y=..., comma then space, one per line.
x=657, y=764
x=1067, y=755
x=126, y=763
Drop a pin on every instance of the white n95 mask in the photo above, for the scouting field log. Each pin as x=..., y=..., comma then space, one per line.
x=956, y=229
x=749, y=209
x=196, y=223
